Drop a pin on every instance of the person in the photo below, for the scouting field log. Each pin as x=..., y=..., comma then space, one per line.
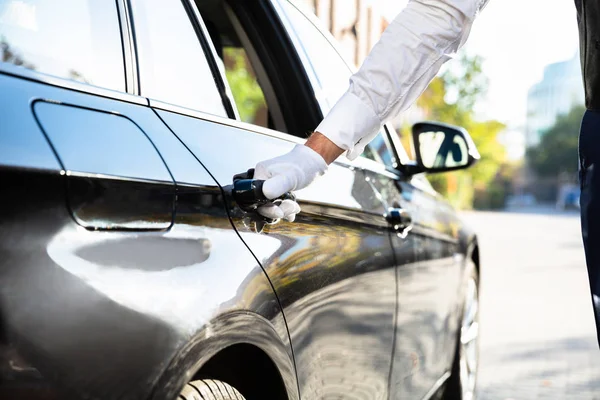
x=407, y=57
x=588, y=19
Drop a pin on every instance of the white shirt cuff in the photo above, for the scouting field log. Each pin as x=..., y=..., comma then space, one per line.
x=349, y=121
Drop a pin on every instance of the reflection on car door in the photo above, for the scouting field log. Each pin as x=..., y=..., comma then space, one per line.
x=332, y=269
x=439, y=261
x=419, y=341
x=424, y=258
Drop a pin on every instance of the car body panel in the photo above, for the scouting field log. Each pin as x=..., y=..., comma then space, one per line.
x=132, y=299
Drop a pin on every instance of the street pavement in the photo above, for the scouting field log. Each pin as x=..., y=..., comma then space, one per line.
x=537, y=332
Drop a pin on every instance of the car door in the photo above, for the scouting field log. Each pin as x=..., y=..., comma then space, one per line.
x=428, y=291
x=333, y=269
x=440, y=261
x=424, y=274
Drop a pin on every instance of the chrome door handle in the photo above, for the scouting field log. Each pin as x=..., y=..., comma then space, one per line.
x=248, y=192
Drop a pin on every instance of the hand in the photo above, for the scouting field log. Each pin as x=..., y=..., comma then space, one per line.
x=287, y=173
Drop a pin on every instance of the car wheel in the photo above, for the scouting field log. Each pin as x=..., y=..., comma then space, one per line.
x=209, y=389
x=462, y=384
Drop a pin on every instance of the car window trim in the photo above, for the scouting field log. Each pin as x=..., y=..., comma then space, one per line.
x=129, y=48
x=209, y=54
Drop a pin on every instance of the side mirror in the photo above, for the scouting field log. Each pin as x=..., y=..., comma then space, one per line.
x=441, y=148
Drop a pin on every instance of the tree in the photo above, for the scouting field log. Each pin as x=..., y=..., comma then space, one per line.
x=451, y=98
x=556, y=154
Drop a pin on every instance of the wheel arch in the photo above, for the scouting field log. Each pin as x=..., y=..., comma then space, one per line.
x=224, y=339
x=247, y=368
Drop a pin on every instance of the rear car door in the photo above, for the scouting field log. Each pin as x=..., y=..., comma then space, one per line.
x=424, y=259
x=333, y=269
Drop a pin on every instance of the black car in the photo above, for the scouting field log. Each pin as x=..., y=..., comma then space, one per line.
x=129, y=269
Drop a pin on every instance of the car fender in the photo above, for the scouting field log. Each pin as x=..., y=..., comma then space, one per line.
x=236, y=327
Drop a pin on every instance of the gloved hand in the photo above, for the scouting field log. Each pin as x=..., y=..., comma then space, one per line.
x=287, y=173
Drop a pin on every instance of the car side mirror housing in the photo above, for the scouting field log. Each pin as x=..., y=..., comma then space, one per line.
x=442, y=148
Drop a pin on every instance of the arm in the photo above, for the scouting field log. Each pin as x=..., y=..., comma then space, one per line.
x=409, y=54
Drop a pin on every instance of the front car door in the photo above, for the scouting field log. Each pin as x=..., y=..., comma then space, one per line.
x=428, y=270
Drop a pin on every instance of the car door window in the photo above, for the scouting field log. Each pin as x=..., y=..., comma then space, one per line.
x=73, y=39
x=172, y=64
x=333, y=74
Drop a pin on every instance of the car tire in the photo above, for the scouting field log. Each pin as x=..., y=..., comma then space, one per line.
x=462, y=384
x=209, y=389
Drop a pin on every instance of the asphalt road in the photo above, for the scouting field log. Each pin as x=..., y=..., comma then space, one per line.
x=537, y=332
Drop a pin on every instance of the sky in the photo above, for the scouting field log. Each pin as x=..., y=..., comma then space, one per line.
x=517, y=39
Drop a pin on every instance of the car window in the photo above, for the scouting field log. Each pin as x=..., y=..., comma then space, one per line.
x=172, y=65
x=333, y=74
x=73, y=39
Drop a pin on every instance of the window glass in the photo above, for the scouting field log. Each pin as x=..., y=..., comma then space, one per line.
x=333, y=74
x=172, y=64
x=247, y=93
x=241, y=69
x=74, y=39
x=379, y=150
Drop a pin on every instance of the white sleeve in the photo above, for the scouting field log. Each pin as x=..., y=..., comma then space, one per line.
x=409, y=54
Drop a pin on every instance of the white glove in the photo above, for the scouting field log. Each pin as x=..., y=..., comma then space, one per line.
x=287, y=173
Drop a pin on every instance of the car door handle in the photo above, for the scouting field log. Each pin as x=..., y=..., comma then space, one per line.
x=399, y=218
x=248, y=194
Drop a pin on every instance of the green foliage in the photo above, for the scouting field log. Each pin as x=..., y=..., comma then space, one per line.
x=556, y=154
x=246, y=91
x=450, y=99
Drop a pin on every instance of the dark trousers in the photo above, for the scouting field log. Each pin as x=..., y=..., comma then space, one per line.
x=589, y=178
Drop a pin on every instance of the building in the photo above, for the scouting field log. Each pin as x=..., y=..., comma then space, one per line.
x=560, y=89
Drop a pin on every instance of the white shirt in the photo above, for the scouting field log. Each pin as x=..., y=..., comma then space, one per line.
x=409, y=54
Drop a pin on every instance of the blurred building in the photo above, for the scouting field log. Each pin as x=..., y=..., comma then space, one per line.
x=560, y=89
